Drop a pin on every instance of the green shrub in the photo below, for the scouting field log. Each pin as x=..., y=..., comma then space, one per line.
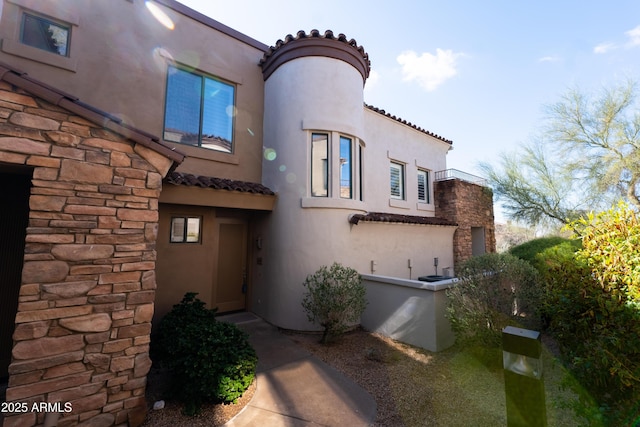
x=593, y=305
x=335, y=299
x=494, y=291
x=210, y=361
x=529, y=251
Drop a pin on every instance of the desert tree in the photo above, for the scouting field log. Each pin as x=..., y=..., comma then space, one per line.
x=586, y=155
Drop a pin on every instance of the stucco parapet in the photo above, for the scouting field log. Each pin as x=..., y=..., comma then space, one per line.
x=315, y=44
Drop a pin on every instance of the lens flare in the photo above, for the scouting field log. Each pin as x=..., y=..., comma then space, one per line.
x=160, y=58
x=159, y=14
x=270, y=154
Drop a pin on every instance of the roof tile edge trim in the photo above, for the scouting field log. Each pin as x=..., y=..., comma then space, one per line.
x=404, y=122
x=315, y=44
x=399, y=219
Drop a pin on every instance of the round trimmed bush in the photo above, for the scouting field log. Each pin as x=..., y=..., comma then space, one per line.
x=210, y=361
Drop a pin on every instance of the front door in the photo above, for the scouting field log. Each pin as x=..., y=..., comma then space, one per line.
x=14, y=218
x=231, y=284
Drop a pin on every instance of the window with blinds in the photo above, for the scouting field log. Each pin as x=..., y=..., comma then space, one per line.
x=423, y=186
x=397, y=181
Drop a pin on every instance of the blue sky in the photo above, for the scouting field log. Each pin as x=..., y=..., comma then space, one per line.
x=475, y=72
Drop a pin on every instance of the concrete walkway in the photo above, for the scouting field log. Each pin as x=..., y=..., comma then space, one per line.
x=294, y=388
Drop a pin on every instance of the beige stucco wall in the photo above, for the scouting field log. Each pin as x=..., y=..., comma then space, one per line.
x=388, y=140
x=118, y=61
x=303, y=233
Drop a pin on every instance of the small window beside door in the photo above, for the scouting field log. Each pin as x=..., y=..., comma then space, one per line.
x=185, y=229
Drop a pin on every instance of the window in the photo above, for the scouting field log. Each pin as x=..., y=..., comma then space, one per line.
x=185, y=229
x=346, y=162
x=335, y=168
x=397, y=181
x=199, y=111
x=360, y=174
x=45, y=34
x=320, y=165
x=423, y=186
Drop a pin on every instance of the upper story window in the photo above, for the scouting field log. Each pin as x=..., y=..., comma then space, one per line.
x=45, y=34
x=397, y=181
x=346, y=167
x=423, y=186
x=336, y=166
x=320, y=164
x=199, y=110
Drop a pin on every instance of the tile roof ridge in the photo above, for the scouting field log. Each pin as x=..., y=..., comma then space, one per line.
x=315, y=34
x=404, y=122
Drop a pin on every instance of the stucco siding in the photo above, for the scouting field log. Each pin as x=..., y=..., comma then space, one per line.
x=121, y=68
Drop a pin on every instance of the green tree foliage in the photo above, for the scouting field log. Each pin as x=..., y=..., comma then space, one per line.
x=335, y=299
x=601, y=137
x=593, y=305
x=530, y=250
x=210, y=361
x=535, y=189
x=587, y=155
x=494, y=291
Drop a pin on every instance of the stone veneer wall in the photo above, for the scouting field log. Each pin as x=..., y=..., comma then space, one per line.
x=469, y=205
x=86, y=301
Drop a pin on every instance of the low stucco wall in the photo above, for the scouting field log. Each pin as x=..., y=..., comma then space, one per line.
x=409, y=311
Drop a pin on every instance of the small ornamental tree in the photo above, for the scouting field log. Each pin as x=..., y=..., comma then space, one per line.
x=335, y=299
x=494, y=291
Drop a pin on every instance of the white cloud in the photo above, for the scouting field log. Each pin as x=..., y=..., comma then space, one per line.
x=372, y=80
x=430, y=71
x=633, y=40
x=604, y=48
x=634, y=37
x=549, y=59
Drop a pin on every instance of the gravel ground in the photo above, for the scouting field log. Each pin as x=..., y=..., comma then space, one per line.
x=412, y=387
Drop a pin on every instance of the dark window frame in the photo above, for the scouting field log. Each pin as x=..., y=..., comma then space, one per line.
x=184, y=237
x=218, y=143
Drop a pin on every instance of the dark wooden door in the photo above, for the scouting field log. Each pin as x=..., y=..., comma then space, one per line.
x=14, y=217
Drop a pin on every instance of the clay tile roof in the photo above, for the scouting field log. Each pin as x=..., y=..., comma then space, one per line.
x=397, y=218
x=72, y=104
x=315, y=44
x=179, y=178
x=398, y=119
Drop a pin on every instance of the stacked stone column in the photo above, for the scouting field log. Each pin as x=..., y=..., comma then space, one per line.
x=469, y=205
x=83, y=324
